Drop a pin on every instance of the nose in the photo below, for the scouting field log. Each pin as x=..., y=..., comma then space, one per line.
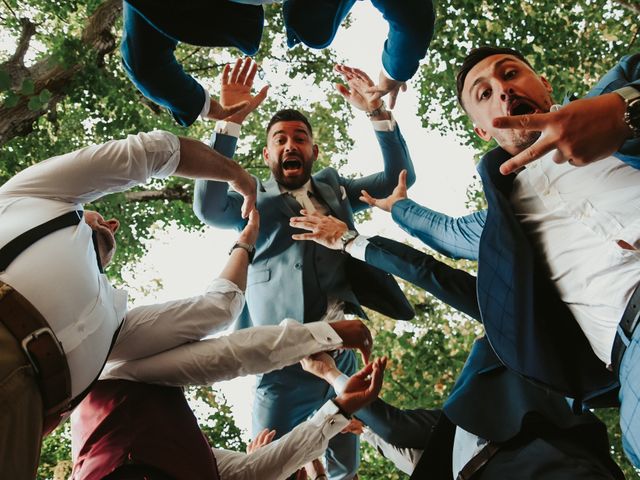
x=113, y=225
x=506, y=92
x=290, y=145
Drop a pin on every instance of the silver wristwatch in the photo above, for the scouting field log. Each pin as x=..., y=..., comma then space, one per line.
x=347, y=237
x=374, y=113
x=631, y=96
x=251, y=249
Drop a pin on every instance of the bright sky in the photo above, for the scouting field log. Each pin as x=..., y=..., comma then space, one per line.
x=185, y=263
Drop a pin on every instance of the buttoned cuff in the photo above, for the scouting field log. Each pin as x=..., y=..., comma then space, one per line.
x=329, y=420
x=358, y=247
x=324, y=334
x=207, y=104
x=384, y=125
x=339, y=383
x=228, y=128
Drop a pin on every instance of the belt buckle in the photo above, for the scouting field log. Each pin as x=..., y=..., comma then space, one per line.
x=34, y=336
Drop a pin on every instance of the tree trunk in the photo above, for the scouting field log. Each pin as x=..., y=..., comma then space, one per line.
x=47, y=74
x=169, y=194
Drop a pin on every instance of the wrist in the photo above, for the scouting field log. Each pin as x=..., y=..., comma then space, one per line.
x=342, y=405
x=627, y=110
x=377, y=113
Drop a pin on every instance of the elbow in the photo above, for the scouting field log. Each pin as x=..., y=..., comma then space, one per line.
x=411, y=176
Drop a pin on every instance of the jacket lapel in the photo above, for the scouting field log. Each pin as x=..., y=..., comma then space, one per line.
x=328, y=195
x=284, y=201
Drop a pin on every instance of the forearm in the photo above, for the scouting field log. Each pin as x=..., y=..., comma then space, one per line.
x=411, y=25
x=280, y=459
x=404, y=459
x=177, y=322
x=87, y=174
x=243, y=352
x=200, y=161
x=213, y=203
x=454, y=287
x=455, y=237
x=236, y=267
x=396, y=157
x=400, y=428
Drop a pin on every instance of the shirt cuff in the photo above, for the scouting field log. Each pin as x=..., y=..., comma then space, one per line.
x=329, y=420
x=207, y=104
x=324, y=334
x=339, y=383
x=228, y=128
x=384, y=125
x=358, y=247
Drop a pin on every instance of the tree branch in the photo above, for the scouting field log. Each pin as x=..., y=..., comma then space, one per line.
x=633, y=7
x=27, y=31
x=169, y=194
x=48, y=74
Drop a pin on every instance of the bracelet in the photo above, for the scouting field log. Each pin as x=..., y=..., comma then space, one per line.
x=374, y=113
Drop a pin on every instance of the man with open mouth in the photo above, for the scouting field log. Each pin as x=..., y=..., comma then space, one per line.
x=306, y=282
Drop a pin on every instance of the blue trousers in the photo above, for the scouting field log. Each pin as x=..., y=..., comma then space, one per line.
x=287, y=397
x=630, y=398
x=148, y=57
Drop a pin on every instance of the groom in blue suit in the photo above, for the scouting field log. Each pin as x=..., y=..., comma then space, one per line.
x=557, y=248
x=153, y=28
x=305, y=282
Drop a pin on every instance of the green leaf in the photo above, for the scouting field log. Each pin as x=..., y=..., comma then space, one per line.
x=28, y=87
x=34, y=104
x=45, y=96
x=11, y=100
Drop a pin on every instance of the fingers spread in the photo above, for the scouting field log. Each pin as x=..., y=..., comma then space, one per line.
x=534, y=152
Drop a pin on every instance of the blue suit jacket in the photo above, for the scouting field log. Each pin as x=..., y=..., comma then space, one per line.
x=312, y=22
x=530, y=328
x=281, y=282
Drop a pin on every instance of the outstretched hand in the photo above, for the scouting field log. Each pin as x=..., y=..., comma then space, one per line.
x=363, y=387
x=399, y=193
x=263, y=438
x=386, y=86
x=582, y=132
x=324, y=229
x=356, y=92
x=322, y=365
x=236, y=85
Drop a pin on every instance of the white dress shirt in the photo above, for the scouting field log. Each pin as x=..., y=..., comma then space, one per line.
x=59, y=274
x=243, y=352
x=575, y=217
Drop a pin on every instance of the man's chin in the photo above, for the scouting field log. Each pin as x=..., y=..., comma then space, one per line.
x=524, y=140
x=292, y=182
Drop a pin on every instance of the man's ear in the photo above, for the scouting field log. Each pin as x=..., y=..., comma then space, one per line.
x=546, y=84
x=316, y=150
x=483, y=134
x=265, y=155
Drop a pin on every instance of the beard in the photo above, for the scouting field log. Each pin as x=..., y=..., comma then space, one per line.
x=293, y=182
x=523, y=140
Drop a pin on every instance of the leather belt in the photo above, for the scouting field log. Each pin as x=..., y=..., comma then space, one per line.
x=42, y=349
x=628, y=323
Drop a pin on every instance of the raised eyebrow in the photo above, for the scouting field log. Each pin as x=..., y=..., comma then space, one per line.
x=297, y=130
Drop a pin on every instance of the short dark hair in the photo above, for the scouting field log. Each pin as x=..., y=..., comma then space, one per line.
x=289, y=115
x=476, y=56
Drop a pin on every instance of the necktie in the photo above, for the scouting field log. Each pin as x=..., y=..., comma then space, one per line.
x=302, y=197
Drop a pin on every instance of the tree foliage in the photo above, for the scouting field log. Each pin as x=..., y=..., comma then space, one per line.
x=571, y=42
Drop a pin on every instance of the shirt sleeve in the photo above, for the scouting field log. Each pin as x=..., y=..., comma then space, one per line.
x=454, y=237
x=92, y=172
x=279, y=459
x=243, y=352
x=405, y=459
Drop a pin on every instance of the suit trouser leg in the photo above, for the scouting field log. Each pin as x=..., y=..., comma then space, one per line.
x=21, y=413
x=630, y=399
x=148, y=57
x=288, y=397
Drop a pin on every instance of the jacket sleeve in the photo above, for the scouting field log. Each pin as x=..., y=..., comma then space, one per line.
x=454, y=287
x=400, y=428
x=396, y=157
x=625, y=73
x=411, y=24
x=213, y=202
x=455, y=237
